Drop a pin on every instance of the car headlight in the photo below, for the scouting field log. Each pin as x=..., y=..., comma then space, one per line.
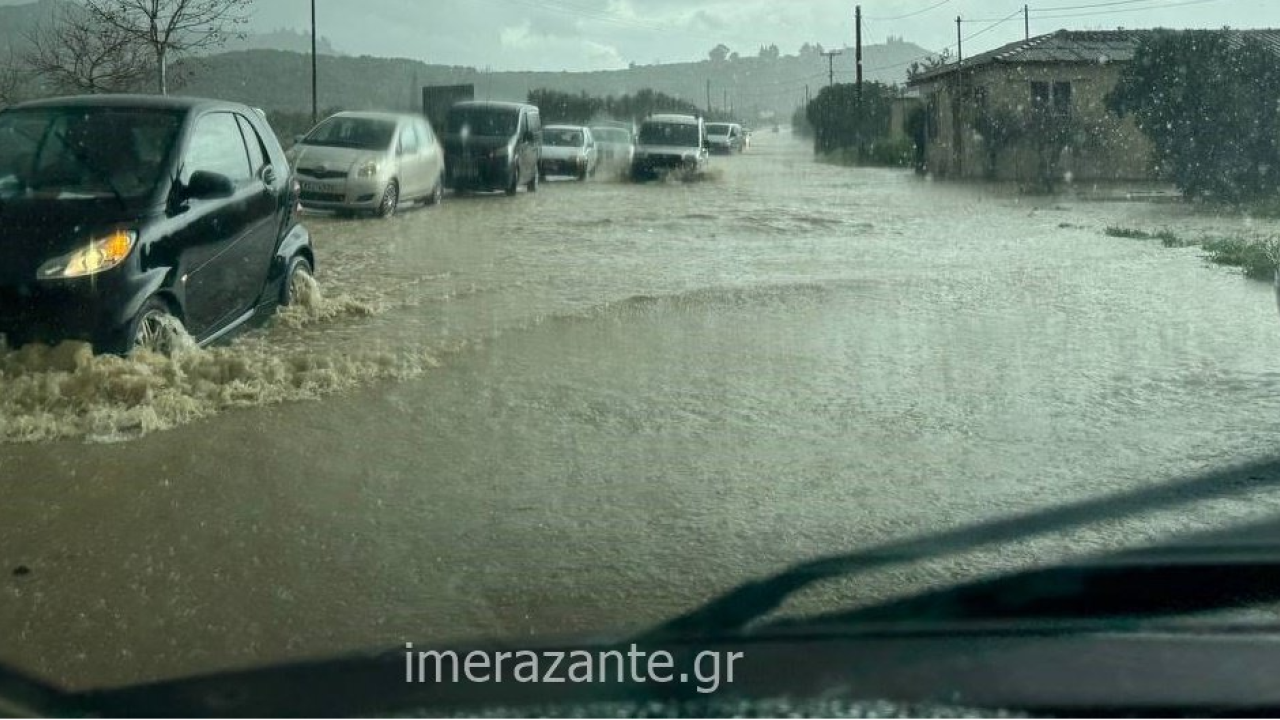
x=99, y=255
x=368, y=170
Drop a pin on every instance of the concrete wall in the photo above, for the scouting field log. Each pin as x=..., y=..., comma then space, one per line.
x=1107, y=147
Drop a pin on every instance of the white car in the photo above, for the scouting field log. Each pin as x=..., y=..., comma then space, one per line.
x=365, y=161
x=568, y=150
x=727, y=138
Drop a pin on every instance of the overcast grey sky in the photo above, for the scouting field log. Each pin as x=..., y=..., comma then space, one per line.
x=603, y=34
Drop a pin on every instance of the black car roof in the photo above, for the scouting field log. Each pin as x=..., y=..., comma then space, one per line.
x=144, y=102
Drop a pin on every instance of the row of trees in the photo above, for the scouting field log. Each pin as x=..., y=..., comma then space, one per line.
x=853, y=121
x=581, y=108
x=105, y=46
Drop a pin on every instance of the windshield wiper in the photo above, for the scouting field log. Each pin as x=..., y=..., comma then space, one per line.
x=97, y=172
x=735, y=610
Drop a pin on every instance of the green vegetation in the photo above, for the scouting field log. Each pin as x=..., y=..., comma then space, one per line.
x=853, y=125
x=1258, y=259
x=1168, y=238
x=885, y=153
x=1207, y=101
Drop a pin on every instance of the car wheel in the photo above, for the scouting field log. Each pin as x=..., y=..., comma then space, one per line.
x=390, y=200
x=298, y=282
x=513, y=185
x=155, y=329
x=533, y=182
x=437, y=193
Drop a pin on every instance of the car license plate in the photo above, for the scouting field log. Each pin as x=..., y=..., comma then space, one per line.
x=313, y=187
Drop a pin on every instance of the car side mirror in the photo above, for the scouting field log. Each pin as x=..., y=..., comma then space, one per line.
x=205, y=185
x=297, y=139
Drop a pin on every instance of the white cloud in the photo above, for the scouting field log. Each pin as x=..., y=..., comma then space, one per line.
x=546, y=50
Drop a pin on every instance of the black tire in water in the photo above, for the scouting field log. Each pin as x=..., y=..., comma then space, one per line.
x=513, y=185
x=297, y=280
x=153, y=328
x=437, y=193
x=390, y=200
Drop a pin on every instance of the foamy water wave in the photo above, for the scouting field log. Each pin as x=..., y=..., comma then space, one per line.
x=67, y=392
x=311, y=306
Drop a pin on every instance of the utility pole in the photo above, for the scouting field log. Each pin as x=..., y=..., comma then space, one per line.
x=858, y=44
x=708, y=96
x=959, y=41
x=315, y=95
x=831, y=65
x=807, y=99
x=1026, y=20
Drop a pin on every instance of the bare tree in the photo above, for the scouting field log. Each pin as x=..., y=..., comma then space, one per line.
x=75, y=51
x=12, y=80
x=172, y=28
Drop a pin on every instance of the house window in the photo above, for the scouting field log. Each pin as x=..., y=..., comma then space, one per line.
x=1051, y=96
x=1062, y=97
x=1039, y=94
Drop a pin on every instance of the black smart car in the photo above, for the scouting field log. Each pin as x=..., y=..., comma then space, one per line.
x=122, y=213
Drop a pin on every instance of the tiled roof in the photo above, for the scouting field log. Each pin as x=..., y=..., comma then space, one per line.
x=1076, y=46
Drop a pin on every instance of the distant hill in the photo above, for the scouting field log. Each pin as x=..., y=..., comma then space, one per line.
x=276, y=80
x=287, y=40
x=17, y=22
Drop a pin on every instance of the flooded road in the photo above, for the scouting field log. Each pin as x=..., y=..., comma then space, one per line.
x=592, y=408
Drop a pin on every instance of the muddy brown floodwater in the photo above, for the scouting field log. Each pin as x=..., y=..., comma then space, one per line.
x=591, y=408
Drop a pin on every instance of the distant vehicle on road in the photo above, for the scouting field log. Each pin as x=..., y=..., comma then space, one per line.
x=369, y=162
x=493, y=146
x=129, y=217
x=616, y=147
x=726, y=138
x=670, y=144
x=568, y=150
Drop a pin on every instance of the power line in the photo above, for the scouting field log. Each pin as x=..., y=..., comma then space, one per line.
x=1062, y=11
x=1162, y=6
x=1112, y=3
x=921, y=11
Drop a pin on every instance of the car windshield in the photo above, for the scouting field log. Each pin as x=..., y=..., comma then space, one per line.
x=352, y=132
x=671, y=134
x=80, y=153
x=562, y=137
x=611, y=135
x=483, y=122
x=401, y=360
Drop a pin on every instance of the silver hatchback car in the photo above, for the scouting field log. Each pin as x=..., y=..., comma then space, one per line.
x=369, y=162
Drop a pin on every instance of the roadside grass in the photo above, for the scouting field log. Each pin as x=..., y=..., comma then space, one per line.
x=1166, y=237
x=1258, y=258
